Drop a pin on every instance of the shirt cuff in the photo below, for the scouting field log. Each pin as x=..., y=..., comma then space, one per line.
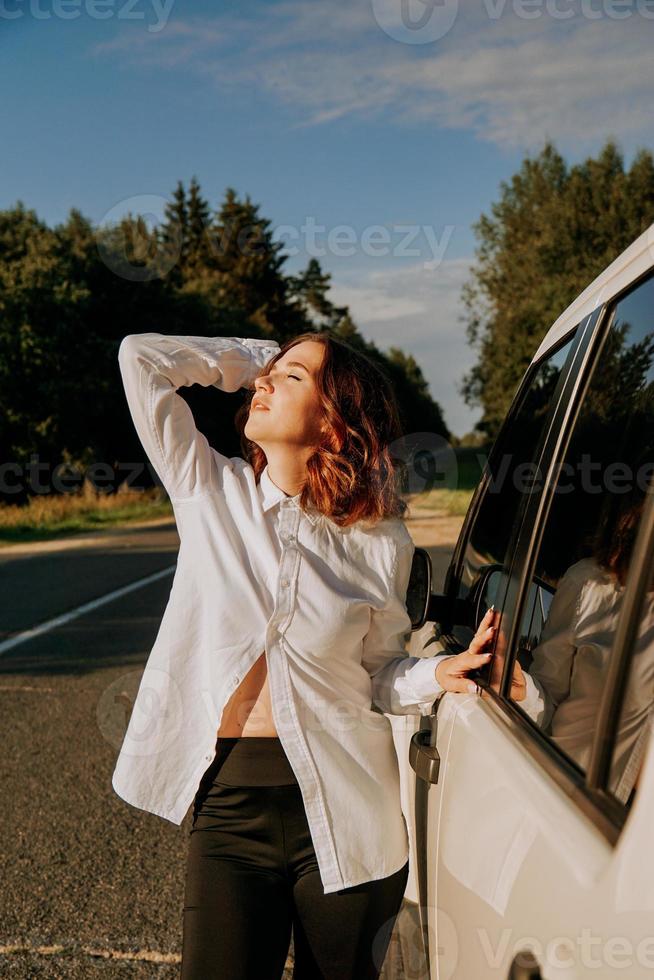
x=532, y=703
x=422, y=678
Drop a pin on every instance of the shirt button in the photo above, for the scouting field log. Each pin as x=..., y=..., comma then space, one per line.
x=284, y=583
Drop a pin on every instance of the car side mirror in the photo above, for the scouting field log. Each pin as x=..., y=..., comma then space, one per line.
x=419, y=588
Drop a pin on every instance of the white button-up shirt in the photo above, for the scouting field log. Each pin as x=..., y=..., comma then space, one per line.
x=566, y=680
x=257, y=573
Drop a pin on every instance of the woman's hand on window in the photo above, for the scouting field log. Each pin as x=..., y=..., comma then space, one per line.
x=452, y=673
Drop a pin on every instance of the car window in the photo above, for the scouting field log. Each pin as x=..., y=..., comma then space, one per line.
x=636, y=713
x=510, y=476
x=576, y=594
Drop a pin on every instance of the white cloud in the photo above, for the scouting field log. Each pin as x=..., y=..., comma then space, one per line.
x=176, y=45
x=570, y=88
x=417, y=310
x=512, y=81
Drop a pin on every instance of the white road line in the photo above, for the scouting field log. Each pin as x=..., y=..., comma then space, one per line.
x=151, y=956
x=50, y=624
x=147, y=955
x=23, y=687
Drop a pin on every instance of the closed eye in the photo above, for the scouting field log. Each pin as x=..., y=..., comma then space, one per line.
x=274, y=372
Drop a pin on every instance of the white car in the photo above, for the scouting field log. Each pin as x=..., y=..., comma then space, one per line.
x=533, y=798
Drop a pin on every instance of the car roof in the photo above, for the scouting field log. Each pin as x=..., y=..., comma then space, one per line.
x=632, y=263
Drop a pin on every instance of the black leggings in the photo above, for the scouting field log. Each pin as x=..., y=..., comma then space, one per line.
x=252, y=875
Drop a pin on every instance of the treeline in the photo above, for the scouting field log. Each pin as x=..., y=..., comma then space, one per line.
x=69, y=294
x=552, y=231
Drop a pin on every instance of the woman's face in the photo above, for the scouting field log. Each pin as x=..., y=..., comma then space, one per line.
x=292, y=413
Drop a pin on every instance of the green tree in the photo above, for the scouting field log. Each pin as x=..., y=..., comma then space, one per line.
x=199, y=219
x=69, y=294
x=311, y=287
x=63, y=312
x=419, y=410
x=33, y=306
x=249, y=280
x=174, y=235
x=552, y=231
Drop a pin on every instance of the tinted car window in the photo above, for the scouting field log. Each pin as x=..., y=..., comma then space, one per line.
x=510, y=477
x=581, y=568
x=636, y=714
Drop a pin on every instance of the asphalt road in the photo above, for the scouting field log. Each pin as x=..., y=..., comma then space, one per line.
x=91, y=886
x=87, y=879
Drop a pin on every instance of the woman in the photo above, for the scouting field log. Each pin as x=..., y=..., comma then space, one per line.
x=564, y=687
x=281, y=647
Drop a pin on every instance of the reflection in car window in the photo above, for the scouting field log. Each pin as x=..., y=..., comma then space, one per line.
x=588, y=541
x=636, y=713
x=517, y=449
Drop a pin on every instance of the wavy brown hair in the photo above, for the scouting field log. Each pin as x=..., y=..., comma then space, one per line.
x=620, y=516
x=616, y=542
x=351, y=475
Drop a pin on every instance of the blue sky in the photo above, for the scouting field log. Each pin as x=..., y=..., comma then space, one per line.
x=327, y=114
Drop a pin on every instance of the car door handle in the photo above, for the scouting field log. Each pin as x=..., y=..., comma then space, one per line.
x=525, y=966
x=423, y=757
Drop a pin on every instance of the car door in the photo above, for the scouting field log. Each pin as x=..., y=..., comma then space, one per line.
x=523, y=875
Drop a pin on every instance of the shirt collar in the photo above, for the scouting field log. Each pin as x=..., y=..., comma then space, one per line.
x=271, y=494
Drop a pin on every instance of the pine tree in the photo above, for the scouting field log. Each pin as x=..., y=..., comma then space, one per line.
x=174, y=234
x=249, y=276
x=199, y=220
x=312, y=286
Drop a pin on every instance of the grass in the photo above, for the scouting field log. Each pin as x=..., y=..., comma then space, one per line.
x=455, y=500
x=48, y=516
x=454, y=503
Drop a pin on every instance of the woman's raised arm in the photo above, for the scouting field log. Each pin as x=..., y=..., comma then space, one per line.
x=153, y=366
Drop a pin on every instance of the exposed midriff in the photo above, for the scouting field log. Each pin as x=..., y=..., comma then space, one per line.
x=249, y=711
